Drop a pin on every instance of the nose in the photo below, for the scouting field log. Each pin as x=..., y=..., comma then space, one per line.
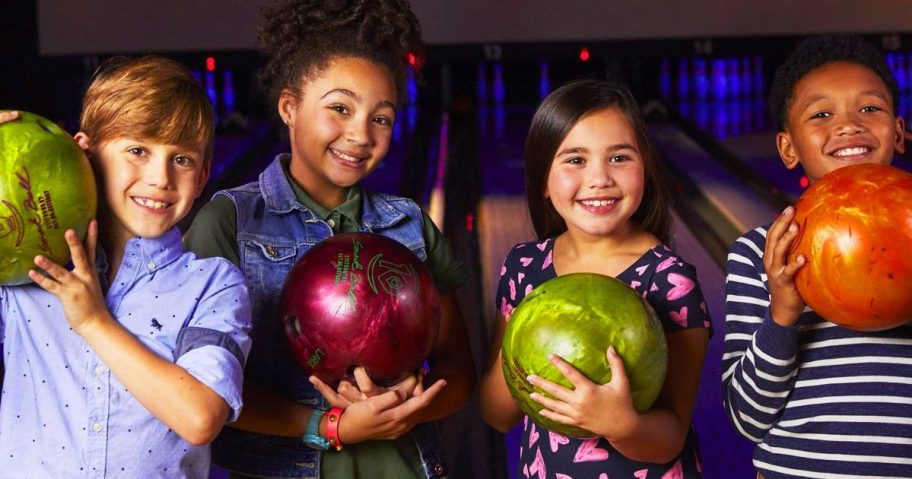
x=600, y=175
x=157, y=172
x=850, y=124
x=359, y=131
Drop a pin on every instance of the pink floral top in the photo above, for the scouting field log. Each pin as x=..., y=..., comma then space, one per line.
x=670, y=286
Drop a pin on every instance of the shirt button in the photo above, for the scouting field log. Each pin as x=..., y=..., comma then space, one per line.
x=151, y=265
x=331, y=222
x=99, y=370
x=96, y=427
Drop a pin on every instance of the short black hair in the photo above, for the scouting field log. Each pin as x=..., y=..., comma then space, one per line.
x=815, y=52
x=301, y=37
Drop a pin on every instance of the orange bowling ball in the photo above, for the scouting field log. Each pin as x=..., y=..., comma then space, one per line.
x=856, y=234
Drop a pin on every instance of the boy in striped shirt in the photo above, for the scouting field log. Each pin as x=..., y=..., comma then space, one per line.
x=820, y=401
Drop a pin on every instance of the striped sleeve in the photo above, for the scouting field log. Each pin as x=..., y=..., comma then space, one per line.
x=759, y=362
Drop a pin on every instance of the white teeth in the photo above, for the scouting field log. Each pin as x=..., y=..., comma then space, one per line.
x=148, y=203
x=859, y=150
x=598, y=202
x=344, y=156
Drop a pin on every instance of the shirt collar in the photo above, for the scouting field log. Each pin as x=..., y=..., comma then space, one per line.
x=150, y=254
x=283, y=194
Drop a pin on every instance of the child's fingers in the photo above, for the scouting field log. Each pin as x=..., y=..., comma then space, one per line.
x=408, y=384
x=8, y=116
x=389, y=399
x=57, y=273
x=557, y=417
x=333, y=398
x=554, y=389
x=618, y=372
x=791, y=269
x=421, y=401
x=46, y=283
x=349, y=391
x=572, y=374
x=365, y=384
x=551, y=404
x=77, y=252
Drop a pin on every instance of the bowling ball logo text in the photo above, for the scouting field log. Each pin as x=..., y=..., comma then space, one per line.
x=38, y=213
x=345, y=266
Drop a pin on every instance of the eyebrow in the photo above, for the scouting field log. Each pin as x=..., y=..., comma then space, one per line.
x=612, y=148
x=357, y=97
x=810, y=101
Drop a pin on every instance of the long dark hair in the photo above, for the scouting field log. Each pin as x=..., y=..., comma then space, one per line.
x=554, y=119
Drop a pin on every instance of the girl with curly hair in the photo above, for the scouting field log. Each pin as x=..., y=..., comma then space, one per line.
x=336, y=71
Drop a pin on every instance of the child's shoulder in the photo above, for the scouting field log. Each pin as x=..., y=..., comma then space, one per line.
x=215, y=268
x=662, y=259
x=751, y=244
x=524, y=255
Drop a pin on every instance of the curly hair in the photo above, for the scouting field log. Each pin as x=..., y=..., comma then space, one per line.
x=555, y=117
x=301, y=37
x=818, y=51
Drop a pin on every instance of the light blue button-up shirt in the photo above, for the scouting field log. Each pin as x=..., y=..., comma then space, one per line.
x=64, y=414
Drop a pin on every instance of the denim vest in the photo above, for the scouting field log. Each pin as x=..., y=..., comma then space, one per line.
x=273, y=231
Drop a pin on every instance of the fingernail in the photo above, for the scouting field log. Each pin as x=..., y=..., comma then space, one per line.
x=787, y=210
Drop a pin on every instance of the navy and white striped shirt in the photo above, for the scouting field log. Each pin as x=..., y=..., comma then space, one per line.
x=821, y=401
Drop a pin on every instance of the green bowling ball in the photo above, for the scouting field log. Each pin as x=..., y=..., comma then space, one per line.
x=578, y=316
x=46, y=187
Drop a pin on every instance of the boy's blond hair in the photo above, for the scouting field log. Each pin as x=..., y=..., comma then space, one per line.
x=151, y=98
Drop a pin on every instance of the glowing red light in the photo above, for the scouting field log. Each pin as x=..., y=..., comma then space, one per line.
x=584, y=54
x=210, y=64
x=470, y=222
x=805, y=182
x=412, y=60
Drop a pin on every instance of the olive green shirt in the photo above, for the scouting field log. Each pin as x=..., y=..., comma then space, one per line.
x=214, y=233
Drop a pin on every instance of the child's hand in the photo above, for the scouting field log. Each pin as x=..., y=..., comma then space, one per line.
x=347, y=393
x=79, y=290
x=8, y=116
x=606, y=410
x=388, y=415
x=786, y=305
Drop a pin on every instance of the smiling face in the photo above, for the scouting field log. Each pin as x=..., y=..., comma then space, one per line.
x=596, y=178
x=340, y=124
x=841, y=114
x=146, y=186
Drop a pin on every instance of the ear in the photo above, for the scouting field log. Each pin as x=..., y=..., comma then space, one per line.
x=787, y=151
x=83, y=140
x=288, y=106
x=899, y=144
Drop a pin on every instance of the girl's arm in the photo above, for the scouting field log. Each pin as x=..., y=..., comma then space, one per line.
x=498, y=408
x=658, y=435
x=450, y=360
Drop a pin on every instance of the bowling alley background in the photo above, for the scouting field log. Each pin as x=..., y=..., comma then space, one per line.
x=700, y=70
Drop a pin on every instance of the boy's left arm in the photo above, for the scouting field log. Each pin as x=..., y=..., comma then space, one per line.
x=168, y=391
